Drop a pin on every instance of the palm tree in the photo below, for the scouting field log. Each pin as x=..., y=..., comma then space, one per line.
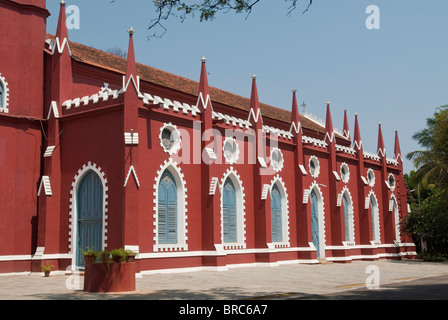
x=432, y=162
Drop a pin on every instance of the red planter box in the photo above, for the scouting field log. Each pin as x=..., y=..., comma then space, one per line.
x=112, y=277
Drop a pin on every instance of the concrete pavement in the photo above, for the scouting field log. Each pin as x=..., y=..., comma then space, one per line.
x=289, y=281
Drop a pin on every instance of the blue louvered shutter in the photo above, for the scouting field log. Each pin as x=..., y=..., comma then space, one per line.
x=229, y=212
x=167, y=209
x=315, y=222
x=89, y=214
x=372, y=214
x=346, y=217
x=276, y=215
x=1, y=94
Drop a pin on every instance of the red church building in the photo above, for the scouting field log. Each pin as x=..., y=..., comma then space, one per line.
x=98, y=151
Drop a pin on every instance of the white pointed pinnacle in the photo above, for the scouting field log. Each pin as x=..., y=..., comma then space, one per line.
x=63, y=2
x=203, y=59
x=131, y=31
x=254, y=76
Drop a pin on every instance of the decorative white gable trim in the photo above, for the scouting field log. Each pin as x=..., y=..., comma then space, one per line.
x=205, y=103
x=296, y=128
x=285, y=212
x=54, y=109
x=182, y=214
x=329, y=136
x=46, y=184
x=5, y=103
x=57, y=45
x=135, y=82
x=255, y=116
x=134, y=173
x=357, y=145
x=73, y=215
x=241, y=210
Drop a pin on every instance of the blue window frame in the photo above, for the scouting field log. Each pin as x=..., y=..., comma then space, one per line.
x=229, y=210
x=276, y=214
x=346, y=217
x=2, y=95
x=315, y=221
x=167, y=209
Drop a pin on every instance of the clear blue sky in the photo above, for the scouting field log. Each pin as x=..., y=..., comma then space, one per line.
x=397, y=75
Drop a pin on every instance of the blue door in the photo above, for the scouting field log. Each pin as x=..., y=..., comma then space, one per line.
x=90, y=215
x=346, y=217
x=315, y=221
x=167, y=209
x=229, y=212
x=276, y=214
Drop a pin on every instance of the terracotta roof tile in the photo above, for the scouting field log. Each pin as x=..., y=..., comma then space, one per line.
x=112, y=62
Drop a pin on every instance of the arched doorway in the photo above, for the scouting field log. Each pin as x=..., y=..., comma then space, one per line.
x=317, y=223
x=89, y=204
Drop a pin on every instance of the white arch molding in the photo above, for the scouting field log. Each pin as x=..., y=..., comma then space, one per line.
x=351, y=221
x=241, y=210
x=5, y=99
x=277, y=180
x=182, y=216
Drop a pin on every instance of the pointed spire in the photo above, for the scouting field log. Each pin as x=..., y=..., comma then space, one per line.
x=61, y=40
x=204, y=101
x=295, y=117
x=397, y=149
x=131, y=67
x=346, y=127
x=329, y=132
x=381, y=149
x=357, y=142
x=255, y=117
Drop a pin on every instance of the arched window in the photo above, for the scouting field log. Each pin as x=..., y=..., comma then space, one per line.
x=167, y=209
x=396, y=220
x=374, y=215
x=89, y=204
x=348, y=217
x=276, y=214
x=2, y=95
x=229, y=212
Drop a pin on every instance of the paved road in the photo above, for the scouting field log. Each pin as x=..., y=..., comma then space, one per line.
x=396, y=280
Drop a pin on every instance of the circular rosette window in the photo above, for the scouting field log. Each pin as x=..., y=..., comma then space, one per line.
x=170, y=138
x=314, y=167
x=277, y=159
x=231, y=151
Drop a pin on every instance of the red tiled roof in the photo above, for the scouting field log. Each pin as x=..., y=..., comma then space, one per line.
x=112, y=62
